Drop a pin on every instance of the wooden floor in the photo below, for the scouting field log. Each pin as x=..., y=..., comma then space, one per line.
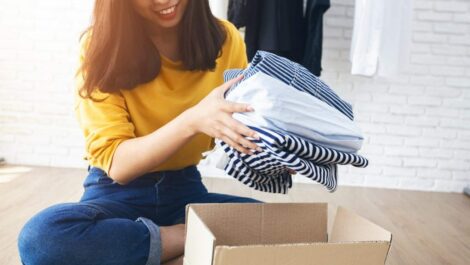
x=428, y=228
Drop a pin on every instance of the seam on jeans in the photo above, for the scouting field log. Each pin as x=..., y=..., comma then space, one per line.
x=157, y=198
x=155, y=249
x=157, y=194
x=161, y=179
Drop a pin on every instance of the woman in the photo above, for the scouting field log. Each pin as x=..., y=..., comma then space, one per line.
x=148, y=108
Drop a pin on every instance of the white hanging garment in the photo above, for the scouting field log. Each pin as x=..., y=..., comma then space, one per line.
x=381, y=36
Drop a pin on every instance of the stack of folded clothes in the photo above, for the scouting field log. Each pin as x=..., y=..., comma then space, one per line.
x=303, y=125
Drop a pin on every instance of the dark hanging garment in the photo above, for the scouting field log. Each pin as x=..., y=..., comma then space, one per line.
x=277, y=26
x=314, y=32
x=253, y=13
x=237, y=12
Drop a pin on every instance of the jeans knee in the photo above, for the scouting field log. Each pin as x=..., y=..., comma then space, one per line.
x=41, y=239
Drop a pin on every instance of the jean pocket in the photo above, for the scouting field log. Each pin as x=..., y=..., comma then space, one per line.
x=96, y=176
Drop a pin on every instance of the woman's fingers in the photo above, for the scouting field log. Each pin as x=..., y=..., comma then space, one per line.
x=233, y=130
x=241, y=129
x=232, y=107
x=235, y=145
x=240, y=140
x=291, y=171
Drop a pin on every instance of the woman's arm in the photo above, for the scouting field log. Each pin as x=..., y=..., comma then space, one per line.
x=137, y=156
x=212, y=116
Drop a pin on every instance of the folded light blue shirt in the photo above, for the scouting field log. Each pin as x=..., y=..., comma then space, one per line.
x=279, y=106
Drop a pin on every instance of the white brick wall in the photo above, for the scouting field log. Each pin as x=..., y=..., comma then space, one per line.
x=38, y=58
x=417, y=125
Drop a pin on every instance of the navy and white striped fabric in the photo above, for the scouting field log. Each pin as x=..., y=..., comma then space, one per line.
x=292, y=74
x=267, y=170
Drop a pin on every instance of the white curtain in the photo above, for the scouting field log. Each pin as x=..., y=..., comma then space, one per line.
x=381, y=36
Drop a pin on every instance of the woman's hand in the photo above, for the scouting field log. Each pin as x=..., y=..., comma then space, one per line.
x=291, y=171
x=213, y=116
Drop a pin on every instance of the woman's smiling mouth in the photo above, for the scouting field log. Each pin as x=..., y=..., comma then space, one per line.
x=167, y=11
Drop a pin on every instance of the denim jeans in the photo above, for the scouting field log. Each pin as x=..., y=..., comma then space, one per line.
x=112, y=223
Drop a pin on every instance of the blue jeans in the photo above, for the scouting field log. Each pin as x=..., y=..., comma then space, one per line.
x=114, y=224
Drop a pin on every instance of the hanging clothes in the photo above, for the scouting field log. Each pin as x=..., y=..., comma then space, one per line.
x=381, y=37
x=237, y=12
x=277, y=26
x=268, y=170
x=282, y=28
x=314, y=31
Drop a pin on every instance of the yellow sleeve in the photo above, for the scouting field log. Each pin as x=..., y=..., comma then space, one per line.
x=105, y=124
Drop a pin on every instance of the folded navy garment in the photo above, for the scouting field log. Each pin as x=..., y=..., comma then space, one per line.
x=268, y=170
x=293, y=74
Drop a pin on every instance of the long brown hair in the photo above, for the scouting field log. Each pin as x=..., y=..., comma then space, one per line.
x=120, y=55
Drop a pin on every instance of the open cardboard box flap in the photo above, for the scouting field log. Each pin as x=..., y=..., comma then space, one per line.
x=280, y=233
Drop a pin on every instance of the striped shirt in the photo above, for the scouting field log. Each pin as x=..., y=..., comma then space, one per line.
x=293, y=74
x=268, y=170
x=278, y=106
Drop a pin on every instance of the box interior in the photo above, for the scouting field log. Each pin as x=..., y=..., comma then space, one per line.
x=235, y=224
x=259, y=223
x=290, y=233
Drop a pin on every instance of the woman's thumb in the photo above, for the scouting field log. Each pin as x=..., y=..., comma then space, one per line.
x=230, y=83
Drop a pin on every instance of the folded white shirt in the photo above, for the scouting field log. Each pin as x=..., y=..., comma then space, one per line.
x=279, y=106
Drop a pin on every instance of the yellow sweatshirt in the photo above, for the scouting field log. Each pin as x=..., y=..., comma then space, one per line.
x=147, y=107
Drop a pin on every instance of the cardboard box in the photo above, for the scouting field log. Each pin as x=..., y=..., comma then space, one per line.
x=281, y=234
